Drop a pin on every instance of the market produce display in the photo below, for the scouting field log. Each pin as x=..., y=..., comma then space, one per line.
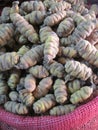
x=48, y=56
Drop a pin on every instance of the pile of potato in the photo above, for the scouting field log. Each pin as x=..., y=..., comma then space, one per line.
x=48, y=56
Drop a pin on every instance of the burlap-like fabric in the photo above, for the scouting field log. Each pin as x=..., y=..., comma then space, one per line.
x=84, y=117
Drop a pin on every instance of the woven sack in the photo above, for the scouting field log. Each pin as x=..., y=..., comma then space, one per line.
x=84, y=117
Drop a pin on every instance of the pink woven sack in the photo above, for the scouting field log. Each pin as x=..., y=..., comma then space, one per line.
x=84, y=117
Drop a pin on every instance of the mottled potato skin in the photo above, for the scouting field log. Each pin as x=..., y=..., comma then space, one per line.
x=48, y=57
x=88, y=52
x=26, y=97
x=31, y=57
x=30, y=83
x=54, y=18
x=66, y=27
x=43, y=87
x=62, y=110
x=17, y=108
x=57, y=69
x=77, y=69
x=81, y=95
x=8, y=61
x=60, y=91
x=39, y=71
x=73, y=86
x=6, y=33
x=44, y=104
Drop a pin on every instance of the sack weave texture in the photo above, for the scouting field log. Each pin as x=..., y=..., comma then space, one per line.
x=84, y=117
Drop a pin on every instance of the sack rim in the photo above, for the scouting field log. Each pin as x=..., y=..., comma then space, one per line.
x=84, y=113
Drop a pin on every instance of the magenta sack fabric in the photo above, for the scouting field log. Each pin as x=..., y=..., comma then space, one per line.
x=84, y=117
